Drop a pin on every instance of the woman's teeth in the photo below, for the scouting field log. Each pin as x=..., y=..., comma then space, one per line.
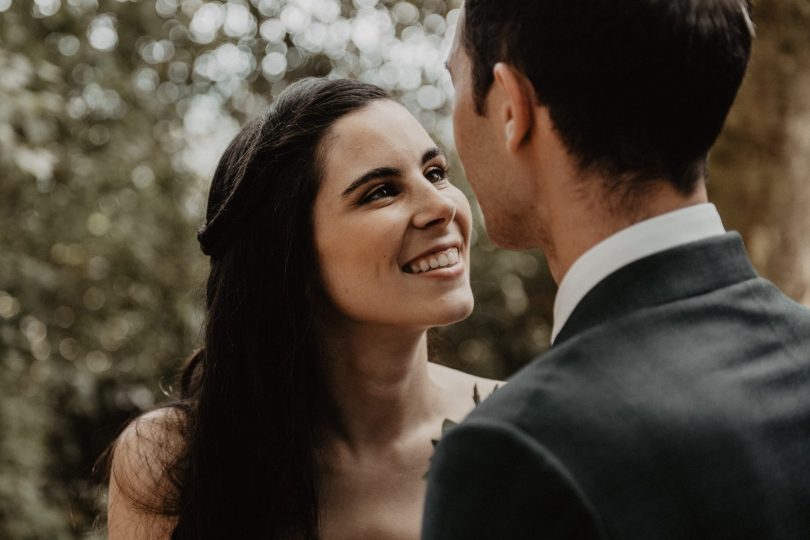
x=448, y=257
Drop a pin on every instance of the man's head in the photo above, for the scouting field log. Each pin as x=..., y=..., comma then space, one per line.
x=637, y=91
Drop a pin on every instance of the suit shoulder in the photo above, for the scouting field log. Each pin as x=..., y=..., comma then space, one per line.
x=531, y=389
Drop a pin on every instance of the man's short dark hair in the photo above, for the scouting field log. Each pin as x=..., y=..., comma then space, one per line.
x=636, y=89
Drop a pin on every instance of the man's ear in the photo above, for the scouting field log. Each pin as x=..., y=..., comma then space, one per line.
x=518, y=109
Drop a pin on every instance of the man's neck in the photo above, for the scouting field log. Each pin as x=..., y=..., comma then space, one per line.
x=577, y=222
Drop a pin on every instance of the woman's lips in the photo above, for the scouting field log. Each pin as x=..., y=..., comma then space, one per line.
x=437, y=260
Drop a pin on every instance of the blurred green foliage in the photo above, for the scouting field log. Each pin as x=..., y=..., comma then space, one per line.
x=112, y=116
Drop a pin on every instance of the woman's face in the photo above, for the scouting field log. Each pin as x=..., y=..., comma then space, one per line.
x=391, y=232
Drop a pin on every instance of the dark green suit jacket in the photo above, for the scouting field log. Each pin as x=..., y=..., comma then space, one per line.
x=675, y=403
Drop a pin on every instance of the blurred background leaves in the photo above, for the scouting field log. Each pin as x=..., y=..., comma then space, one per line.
x=113, y=114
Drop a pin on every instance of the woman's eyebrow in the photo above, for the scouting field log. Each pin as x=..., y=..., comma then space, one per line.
x=373, y=174
x=386, y=172
x=430, y=154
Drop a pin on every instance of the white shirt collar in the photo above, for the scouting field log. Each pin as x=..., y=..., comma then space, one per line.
x=628, y=245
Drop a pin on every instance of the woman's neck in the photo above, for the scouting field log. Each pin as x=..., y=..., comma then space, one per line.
x=379, y=386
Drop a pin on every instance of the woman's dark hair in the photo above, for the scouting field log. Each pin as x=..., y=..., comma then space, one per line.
x=253, y=395
x=637, y=89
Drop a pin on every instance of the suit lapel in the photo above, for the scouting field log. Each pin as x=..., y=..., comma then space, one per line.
x=677, y=273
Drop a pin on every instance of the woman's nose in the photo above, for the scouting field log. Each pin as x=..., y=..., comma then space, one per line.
x=432, y=208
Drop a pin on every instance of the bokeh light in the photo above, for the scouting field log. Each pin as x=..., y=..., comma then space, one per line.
x=102, y=34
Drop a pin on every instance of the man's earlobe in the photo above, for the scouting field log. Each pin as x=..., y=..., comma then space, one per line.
x=518, y=107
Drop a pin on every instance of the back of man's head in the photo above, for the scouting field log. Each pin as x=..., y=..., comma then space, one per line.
x=637, y=89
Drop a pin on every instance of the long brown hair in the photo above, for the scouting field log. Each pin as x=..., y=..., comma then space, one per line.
x=251, y=397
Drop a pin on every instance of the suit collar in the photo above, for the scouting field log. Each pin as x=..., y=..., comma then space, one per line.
x=630, y=244
x=684, y=271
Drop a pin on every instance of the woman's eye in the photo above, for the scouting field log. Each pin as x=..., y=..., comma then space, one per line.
x=380, y=192
x=436, y=174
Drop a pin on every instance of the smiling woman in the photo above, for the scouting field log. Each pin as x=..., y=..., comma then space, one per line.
x=336, y=241
x=386, y=205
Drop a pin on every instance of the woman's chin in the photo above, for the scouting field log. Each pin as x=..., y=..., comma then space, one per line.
x=454, y=312
x=413, y=313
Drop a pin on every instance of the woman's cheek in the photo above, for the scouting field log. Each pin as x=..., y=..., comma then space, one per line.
x=463, y=213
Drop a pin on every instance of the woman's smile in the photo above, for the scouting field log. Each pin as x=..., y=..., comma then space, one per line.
x=436, y=259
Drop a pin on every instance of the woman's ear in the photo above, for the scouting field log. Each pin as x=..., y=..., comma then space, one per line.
x=518, y=105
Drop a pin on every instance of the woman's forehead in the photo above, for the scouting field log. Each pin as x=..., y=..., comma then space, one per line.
x=383, y=130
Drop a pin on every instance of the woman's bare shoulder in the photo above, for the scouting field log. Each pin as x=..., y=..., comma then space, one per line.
x=147, y=440
x=462, y=390
x=141, y=480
